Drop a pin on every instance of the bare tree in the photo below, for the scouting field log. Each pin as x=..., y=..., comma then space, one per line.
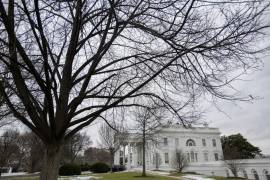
x=148, y=122
x=93, y=155
x=179, y=160
x=234, y=165
x=33, y=151
x=75, y=145
x=8, y=147
x=112, y=138
x=231, y=160
x=63, y=64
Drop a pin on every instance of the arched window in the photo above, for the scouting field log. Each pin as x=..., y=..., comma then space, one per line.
x=190, y=142
x=255, y=174
x=245, y=174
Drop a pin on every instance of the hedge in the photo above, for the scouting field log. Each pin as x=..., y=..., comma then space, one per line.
x=85, y=167
x=69, y=169
x=117, y=168
x=100, y=167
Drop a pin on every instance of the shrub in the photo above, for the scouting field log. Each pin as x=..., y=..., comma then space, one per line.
x=69, y=169
x=117, y=168
x=85, y=167
x=100, y=167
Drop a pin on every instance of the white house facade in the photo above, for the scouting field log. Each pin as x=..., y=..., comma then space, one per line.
x=200, y=145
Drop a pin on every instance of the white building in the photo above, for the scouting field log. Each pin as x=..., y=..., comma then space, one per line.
x=200, y=144
x=202, y=148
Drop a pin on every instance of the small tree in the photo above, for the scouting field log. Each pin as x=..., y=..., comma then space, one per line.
x=112, y=138
x=8, y=146
x=148, y=122
x=231, y=159
x=179, y=160
x=93, y=155
x=75, y=145
x=33, y=152
x=234, y=165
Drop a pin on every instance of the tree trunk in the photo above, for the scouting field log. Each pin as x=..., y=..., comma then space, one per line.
x=144, y=171
x=51, y=163
x=112, y=161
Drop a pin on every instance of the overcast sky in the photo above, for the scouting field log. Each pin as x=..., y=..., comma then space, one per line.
x=250, y=119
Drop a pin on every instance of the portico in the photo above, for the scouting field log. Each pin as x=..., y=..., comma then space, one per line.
x=130, y=154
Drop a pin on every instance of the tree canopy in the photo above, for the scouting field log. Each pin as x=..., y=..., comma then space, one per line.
x=237, y=147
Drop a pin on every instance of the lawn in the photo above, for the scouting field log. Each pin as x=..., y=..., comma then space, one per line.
x=132, y=176
x=117, y=176
x=137, y=176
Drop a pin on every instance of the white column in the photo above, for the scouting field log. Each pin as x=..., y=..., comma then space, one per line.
x=124, y=155
x=129, y=165
x=135, y=155
x=117, y=157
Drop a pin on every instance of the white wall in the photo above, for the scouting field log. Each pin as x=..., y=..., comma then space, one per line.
x=260, y=165
x=219, y=168
x=214, y=168
x=196, y=134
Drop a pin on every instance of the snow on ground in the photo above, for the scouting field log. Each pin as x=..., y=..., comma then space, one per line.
x=61, y=178
x=196, y=177
x=78, y=178
x=160, y=172
x=13, y=174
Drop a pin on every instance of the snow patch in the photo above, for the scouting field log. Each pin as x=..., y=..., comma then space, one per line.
x=196, y=177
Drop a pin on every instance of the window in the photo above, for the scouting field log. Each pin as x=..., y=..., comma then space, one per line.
x=165, y=141
x=245, y=174
x=157, y=160
x=190, y=142
x=206, y=156
x=121, y=153
x=216, y=156
x=203, y=142
x=214, y=142
x=188, y=157
x=130, y=157
x=166, y=158
x=255, y=174
x=196, y=157
x=192, y=156
x=176, y=142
